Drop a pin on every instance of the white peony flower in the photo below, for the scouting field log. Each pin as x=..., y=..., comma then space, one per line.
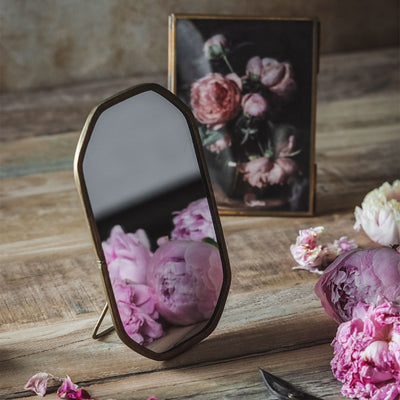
x=379, y=214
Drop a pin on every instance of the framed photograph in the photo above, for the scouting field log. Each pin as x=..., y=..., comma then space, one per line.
x=251, y=85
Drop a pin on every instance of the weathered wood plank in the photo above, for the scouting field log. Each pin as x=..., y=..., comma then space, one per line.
x=256, y=322
x=306, y=368
x=64, y=109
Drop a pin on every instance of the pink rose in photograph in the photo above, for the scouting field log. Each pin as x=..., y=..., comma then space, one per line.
x=137, y=309
x=254, y=105
x=127, y=255
x=187, y=279
x=215, y=99
x=367, y=353
x=287, y=85
x=368, y=276
x=194, y=222
x=255, y=172
x=220, y=144
x=277, y=76
x=283, y=171
x=215, y=47
x=379, y=214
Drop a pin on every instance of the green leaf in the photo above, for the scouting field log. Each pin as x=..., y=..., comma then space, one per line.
x=210, y=241
x=211, y=137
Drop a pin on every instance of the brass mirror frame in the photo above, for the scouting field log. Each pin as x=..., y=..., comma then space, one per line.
x=83, y=192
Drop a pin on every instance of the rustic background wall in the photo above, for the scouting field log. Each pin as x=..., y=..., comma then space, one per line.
x=52, y=42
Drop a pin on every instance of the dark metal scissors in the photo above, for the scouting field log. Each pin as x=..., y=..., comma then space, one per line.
x=284, y=390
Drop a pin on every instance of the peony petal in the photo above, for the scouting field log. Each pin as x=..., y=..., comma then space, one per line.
x=38, y=383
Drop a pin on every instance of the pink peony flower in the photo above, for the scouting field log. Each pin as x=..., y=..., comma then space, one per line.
x=215, y=99
x=137, y=309
x=277, y=76
x=187, y=278
x=315, y=257
x=368, y=276
x=367, y=353
x=215, y=47
x=38, y=383
x=194, y=222
x=127, y=255
x=220, y=144
x=283, y=171
x=256, y=171
x=379, y=214
x=254, y=105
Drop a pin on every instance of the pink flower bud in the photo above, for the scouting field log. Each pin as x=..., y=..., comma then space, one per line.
x=254, y=105
x=215, y=47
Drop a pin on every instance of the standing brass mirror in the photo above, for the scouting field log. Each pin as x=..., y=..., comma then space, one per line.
x=157, y=236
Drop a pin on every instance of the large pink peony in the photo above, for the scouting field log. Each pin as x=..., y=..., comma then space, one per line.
x=194, y=222
x=137, y=309
x=127, y=255
x=215, y=99
x=367, y=353
x=368, y=276
x=187, y=278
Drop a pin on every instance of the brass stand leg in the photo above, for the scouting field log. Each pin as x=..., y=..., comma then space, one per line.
x=96, y=334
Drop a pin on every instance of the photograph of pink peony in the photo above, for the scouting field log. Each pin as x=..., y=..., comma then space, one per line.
x=250, y=84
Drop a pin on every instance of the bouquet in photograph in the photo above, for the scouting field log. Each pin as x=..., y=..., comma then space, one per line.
x=252, y=144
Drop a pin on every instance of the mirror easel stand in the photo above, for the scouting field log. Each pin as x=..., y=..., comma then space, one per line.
x=96, y=334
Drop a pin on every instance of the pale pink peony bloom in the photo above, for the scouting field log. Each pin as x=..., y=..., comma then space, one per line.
x=256, y=171
x=127, y=255
x=38, y=383
x=283, y=171
x=277, y=76
x=137, y=309
x=315, y=257
x=187, y=278
x=215, y=99
x=367, y=353
x=215, y=47
x=379, y=214
x=220, y=144
x=254, y=105
x=368, y=276
x=194, y=222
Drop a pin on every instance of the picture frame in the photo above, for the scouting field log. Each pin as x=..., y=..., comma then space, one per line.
x=251, y=84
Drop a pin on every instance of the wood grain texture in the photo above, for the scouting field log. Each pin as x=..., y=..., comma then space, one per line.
x=51, y=292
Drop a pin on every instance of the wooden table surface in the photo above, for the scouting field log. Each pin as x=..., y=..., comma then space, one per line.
x=50, y=288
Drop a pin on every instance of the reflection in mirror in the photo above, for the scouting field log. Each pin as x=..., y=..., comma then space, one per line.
x=150, y=205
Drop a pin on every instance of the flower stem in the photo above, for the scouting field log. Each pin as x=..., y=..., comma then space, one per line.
x=225, y=58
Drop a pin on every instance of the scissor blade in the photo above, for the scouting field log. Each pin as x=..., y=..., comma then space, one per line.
x=282, y=389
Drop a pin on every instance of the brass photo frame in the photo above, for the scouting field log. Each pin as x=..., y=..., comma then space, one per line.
x=88, y=135
x=251, y=85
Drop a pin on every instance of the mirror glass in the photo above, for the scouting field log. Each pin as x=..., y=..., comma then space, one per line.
x=149, y=210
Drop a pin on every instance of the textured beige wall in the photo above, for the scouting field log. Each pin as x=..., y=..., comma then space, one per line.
x=52, y=42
